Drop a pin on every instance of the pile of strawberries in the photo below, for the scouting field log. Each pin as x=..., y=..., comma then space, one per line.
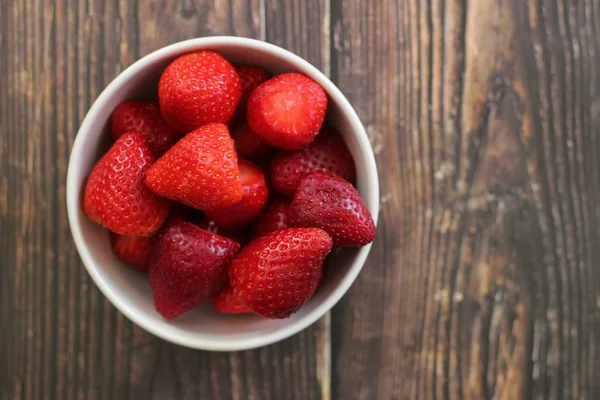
x=182, y=203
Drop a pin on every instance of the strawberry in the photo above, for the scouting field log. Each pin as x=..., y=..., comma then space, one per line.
x=250, y=78
x=256, y=194
x=115, y=195
x=287, y=111
x=276, y=274
x=198, y=88
x=190, y=267
x=200, y=171
x=145, y=118
x=137, y=251
x=240, y=235
x=226, y=302
x=327, y=152
x=326, y=201
x=133, y=250
x=248, y=144
x=272, y=219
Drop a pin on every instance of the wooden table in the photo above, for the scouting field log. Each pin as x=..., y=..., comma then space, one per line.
x=484, y=280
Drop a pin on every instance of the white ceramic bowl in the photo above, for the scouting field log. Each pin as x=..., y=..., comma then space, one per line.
x=128, y=290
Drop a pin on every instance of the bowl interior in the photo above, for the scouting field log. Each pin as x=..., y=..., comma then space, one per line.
x=129, y=290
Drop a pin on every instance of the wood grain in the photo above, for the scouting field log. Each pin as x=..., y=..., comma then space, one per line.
x=483, y=282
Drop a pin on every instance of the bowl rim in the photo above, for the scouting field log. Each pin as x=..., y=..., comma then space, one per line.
x=73, y=193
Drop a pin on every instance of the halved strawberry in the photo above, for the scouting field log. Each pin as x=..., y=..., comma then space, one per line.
x=326, y=201
x=226, y=302
x=327, y=153
x=189, y=268
x=145, y=118
x=256, y=194
x=198, y=88
x=115, y=194
x=287, y=111
x=200, y=171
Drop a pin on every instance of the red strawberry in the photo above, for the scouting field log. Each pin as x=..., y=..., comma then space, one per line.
x=137, y=250
x=115, y=194
x=143, y=117
x=197, y=89
x=240, y=235
x=327, y=152
x=287, y=111
x=133, y=250
x=201, y=170
x=247, y=143
x=226, y=302
x=276, y=274
x=326, y=201
x=256, y=194
x=273, y=218
x=250, y=77
x=189, y=268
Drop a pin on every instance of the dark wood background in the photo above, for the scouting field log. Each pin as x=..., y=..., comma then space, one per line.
x=484, y=281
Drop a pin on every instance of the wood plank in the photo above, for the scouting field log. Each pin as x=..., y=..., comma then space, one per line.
x=483, y=282
x=62, y=339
